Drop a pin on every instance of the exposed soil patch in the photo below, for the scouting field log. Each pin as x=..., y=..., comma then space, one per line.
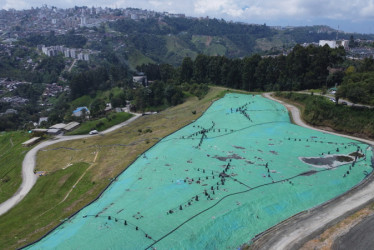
x=208, y=41
x=327, y=161
x=358, y=154
x=343, y=158
x=233, y=156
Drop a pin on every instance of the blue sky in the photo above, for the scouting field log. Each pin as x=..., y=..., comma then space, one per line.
x=349, y=15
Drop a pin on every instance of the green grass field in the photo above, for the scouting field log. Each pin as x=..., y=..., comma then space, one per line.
x=135, y=58
x=11, y=157
x=101, y=124
x=41, y=209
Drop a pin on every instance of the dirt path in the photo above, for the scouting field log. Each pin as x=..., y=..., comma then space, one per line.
x=209, y=39
x=292, y=233
x=29, y=162
x=80, y=178
x=72, y=65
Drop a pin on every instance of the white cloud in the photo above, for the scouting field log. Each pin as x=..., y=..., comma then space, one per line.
x=228, y=7
x=9, y=4
x=368, y=11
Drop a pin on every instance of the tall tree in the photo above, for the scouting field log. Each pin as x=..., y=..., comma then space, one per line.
x=249, y=69
x=200, y=69
x=186, y=70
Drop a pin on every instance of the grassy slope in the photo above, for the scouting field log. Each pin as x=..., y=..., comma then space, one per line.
x=11, y=157
x=101, y=124
x=40, y=210
x=135, y=58
x=177, y=50
x=29, y=220
x=319, y=111
x=210, y=45
x=264, y=44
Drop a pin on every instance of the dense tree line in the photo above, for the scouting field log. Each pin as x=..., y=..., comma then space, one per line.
x=303, y=68
x=23, y=119
x=70, y=40
x=101, y=78
x=157, y=96
x=359, y=86
x=210, y=27
x=322, y=112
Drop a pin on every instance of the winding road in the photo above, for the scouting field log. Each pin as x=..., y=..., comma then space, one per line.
x=340, y=101
x=292, y=233
x=29, y=162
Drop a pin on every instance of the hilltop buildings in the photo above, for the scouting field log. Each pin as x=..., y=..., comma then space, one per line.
x=79, y=54
x=335, y=43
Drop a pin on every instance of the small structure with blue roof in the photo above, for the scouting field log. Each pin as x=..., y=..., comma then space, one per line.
x=80, y=111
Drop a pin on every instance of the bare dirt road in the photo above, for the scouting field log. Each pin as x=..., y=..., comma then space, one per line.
x=292, y=233
x=28, y=165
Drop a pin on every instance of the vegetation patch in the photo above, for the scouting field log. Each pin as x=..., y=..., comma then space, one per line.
x=11, y=157
x=101, y=124
x=41, y=209
x=319, y=111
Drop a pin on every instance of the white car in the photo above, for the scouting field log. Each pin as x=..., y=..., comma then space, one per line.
x=93, y=132
x=333, y=100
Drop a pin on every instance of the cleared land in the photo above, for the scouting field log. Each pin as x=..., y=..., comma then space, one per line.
x=28, y=220
x=238, y=167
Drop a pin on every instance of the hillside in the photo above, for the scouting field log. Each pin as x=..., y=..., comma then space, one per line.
x=169, y=40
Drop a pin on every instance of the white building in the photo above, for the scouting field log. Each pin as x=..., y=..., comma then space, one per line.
x=331, y=44
x=83, y=21
x=72, y=53
x=80, y=56
x=67, y=53
x=334, y=44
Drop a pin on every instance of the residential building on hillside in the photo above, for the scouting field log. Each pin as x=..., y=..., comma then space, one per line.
x=78, y=112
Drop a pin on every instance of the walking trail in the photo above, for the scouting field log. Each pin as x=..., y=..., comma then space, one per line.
x=292, y=233
x=29, y=162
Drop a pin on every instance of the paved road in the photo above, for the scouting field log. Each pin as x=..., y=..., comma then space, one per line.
x=292, y=233
x=331, y=96
x=360, y=237
x=29, y=162
x=298, y=121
